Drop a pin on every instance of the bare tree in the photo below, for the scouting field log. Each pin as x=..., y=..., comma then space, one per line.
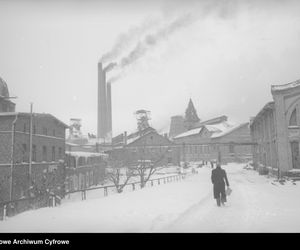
x=148, y=164
x=114, y=173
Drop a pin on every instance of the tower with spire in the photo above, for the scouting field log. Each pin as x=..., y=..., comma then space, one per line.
x=183, y=123
x=191, y=117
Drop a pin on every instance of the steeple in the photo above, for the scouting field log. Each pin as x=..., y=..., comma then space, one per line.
x=191, y=116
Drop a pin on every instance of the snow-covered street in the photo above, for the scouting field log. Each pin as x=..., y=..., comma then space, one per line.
x=257, y=204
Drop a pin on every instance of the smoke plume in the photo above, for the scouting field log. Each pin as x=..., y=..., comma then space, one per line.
x=145, y=40
x=125, y=40
x=151, y=40
x=109, y=67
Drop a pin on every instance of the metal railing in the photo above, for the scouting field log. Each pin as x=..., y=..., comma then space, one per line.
x=134, y=185
x=14, y=207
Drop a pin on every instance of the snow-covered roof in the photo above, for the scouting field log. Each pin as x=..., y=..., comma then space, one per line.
x=219, y=127
x=132, y=139
x=217, y=130
x=212, y=121
x=138, y=136
x=268, y=106
x=71, y=144
x=41, y=115
x=188, y=133
x=227, y=130
x=84, y=154
x=285, y=86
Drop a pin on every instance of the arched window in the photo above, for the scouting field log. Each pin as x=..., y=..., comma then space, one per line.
x=293, y=118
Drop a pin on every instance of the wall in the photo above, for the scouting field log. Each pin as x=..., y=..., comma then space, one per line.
x=40, y=168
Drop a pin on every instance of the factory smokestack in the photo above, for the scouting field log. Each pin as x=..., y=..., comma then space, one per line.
x=109, y=112
x=102, y=104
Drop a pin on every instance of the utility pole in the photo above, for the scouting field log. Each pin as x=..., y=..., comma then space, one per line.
x=183, y=152
x=219, y=155
x=12, y=157
x=30, y=142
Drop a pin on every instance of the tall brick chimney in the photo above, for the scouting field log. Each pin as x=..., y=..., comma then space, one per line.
x=109, y=111
x=102, y=104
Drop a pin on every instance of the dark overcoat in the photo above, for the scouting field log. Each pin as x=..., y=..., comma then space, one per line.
x=219, y=178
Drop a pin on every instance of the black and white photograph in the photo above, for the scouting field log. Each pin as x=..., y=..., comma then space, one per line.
x=161, y=116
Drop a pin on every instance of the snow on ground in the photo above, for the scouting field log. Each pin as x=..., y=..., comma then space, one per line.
x=98, y=193
x=257, y=204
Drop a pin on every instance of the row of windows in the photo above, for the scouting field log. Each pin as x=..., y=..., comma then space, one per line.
x=45, y=153
x=83, y=161
x=45, y=131
x=151, y=150
x=206, y=149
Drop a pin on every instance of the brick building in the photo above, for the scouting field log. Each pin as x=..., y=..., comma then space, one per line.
x=275, y=130
x=146, y=144
x=48, y=152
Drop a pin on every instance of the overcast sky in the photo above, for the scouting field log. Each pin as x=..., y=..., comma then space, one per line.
x=225, y=55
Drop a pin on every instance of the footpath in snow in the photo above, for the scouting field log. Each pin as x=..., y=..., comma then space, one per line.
x=257, y=204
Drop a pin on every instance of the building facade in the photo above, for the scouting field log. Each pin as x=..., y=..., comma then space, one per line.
x=17, y=173
x=145, y=145
x=216, y=141
x=84, y=169
x=276, y=131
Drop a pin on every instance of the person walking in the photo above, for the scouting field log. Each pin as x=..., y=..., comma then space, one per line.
x=219, y=178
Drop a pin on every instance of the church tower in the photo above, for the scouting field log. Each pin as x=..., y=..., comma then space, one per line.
x=191, y=118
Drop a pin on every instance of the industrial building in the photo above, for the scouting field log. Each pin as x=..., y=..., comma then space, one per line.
x=211, y=140
x=85, y=159
x=47, y=152
x=275, y=130
x=146, y=144
x=21, y=133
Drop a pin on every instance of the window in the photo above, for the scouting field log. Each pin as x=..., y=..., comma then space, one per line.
x=60, y=153
x=81, y=161
x=231, y=149
x=53, y=153
x=53, y=132
x=73, y=161
x=34, y=129
x=24, y=128
x=33, y=152
x=45, y=131
x=44, y=153
x=293, y=119
x=24, y=153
